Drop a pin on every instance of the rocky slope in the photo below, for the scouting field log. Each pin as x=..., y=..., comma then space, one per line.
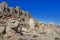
x=16, y=24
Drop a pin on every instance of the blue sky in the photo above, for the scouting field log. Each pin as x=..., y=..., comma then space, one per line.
x=42, y=10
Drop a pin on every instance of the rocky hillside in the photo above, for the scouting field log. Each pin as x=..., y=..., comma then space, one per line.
x=16, y=24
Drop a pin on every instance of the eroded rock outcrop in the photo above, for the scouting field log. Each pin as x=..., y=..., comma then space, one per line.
x=16, y=24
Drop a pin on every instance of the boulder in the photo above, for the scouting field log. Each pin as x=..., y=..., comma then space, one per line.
x=12, y=23
x=10, y=32
x=1, y=29
x=31, y=23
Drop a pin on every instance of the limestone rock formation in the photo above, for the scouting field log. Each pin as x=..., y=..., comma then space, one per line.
x=1, y=30
x=16, y=24
x=12, y=23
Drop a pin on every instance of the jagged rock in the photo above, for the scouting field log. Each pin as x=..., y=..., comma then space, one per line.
x=14, y=37
x=10, y=31
x=1, y=30
x=12, y=23
x=58, y=30
x=24, y=29
x=2, y=37
x=16, y=24
x=31, y=23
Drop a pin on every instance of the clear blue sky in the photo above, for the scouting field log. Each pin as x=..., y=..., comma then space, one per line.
x=42, y=10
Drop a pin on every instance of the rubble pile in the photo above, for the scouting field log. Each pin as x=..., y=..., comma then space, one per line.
x=16, y=24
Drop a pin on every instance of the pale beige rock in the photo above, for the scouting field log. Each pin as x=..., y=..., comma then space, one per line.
x=26, y=30
x=15, y=37
x=41, y=26
x=31, y=23
x=12, y=23
x=17, y=21
x=1, y=29
x=10, y=32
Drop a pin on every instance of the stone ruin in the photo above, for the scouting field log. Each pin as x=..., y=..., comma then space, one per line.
x=16, y=24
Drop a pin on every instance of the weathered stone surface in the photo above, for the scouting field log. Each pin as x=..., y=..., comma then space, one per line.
x=10, y=32
x=12, y=23
x=1, y=30
x=14, y=37
x=1, y=37
x=16, y=24
x=31, y=23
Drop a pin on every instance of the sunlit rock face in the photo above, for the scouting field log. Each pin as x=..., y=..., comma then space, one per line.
x=17, y=24
x=41, y=26
x=31, y=23
x=12, y=23
x=1, y=29
x=10, y=32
